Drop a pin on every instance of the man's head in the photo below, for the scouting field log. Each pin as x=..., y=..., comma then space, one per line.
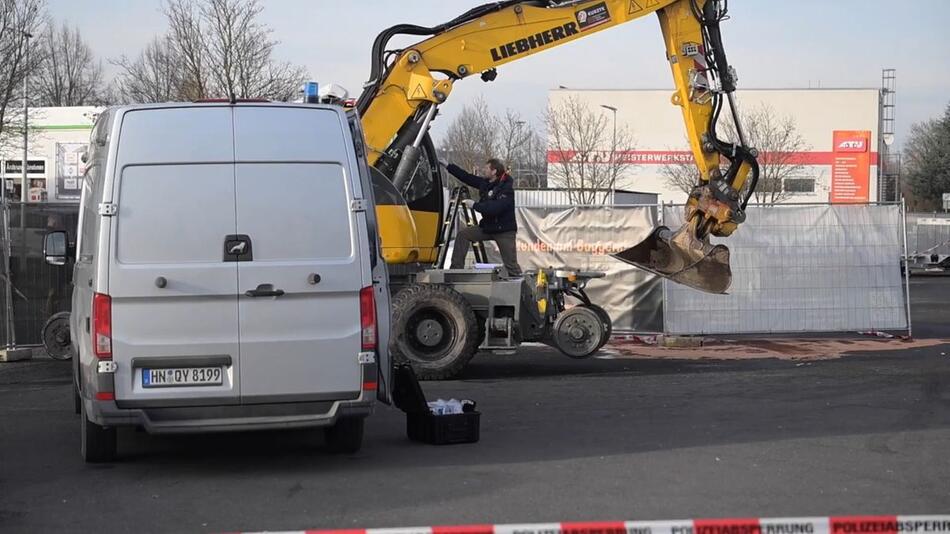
x=494, y=168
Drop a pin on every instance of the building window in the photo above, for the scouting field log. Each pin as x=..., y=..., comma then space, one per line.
x=800, y=185
x=769, y=185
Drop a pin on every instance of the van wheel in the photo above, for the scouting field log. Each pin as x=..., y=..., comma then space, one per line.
x=98, y=443
x=345, y=437
x=434, y=329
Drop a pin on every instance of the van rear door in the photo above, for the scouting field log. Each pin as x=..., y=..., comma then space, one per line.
x=174, y=299
x=299, y=295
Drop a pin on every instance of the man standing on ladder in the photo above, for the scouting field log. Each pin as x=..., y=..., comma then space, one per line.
x=497, y=207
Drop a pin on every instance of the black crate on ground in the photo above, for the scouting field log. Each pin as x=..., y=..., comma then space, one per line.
x=443, y=429
x=421, y=424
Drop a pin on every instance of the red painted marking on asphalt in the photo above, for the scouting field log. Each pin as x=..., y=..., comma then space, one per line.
x=878, y=524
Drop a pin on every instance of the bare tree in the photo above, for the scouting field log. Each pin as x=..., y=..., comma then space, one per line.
x=522, y=148
x=188, y=45
x=70, y=75
x=154, y=76
x=512, y=136
x=681, y=176
x=477, y=134
x=780, y=147
x=473, y=136
x=588, y=156
x=18, y=18
x=218, y=48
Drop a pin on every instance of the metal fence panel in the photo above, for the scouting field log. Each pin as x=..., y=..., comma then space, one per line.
x=563, y=197
x=928, y=233
x=38, y=289
x=801, y=268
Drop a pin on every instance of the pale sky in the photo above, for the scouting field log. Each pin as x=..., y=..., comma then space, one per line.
x=771, y=43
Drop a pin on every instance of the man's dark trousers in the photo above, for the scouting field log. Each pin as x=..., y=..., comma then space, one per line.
x=506, y=245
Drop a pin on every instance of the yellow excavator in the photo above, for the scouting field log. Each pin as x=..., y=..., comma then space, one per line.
x=407, y=87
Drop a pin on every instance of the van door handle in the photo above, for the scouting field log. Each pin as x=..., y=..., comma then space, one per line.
x=264, y=290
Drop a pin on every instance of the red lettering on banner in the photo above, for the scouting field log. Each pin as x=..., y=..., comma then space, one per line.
x=467, y=529
x=663, y=157
x=884, y=524
x=726, y=526
x=613, y=527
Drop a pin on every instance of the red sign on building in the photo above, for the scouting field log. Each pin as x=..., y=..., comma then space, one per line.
x=851, y=167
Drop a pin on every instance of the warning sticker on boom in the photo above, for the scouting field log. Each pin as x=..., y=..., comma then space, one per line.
x=418, y=93
x=592, y=16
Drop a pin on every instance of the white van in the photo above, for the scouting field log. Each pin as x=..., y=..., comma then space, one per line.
x=227, y=274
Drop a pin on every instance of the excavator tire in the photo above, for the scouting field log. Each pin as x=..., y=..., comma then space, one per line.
x=578, y=332
x=608, y=323
x=434, y=329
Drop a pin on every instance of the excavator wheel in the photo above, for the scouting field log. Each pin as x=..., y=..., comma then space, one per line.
x=578, y=332
x=434, y=329
x=56, y=338
x=605, y=318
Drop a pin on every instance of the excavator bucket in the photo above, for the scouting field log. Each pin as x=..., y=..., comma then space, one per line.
x=683, y=258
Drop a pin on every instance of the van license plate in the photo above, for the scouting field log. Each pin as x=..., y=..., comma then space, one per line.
x=188, y=376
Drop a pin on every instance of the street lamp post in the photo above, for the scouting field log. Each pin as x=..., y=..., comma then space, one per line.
x=613, y=142
x=529, y=154
x=24, y=185
x=613, y=145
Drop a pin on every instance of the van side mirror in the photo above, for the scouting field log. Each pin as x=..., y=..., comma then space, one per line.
x=55, y=248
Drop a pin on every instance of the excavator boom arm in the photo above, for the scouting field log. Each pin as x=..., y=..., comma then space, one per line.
x=407, y=86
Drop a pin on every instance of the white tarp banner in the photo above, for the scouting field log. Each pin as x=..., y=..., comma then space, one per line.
x=805, y=268
x=583, y=238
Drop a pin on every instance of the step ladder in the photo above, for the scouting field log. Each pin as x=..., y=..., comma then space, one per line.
x=458, y=210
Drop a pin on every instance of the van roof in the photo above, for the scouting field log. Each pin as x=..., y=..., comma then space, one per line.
x=239, y=103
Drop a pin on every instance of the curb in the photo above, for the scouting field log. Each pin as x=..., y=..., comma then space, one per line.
x=807, y=525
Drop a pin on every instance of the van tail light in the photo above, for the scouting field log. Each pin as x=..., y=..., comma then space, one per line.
x=102, y=326
x=367, y=319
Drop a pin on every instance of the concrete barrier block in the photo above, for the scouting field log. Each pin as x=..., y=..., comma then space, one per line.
x=15, y=354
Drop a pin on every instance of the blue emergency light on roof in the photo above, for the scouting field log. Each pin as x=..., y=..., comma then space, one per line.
x=310, y=90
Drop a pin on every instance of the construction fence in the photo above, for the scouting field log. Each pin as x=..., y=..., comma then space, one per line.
x=802, y=268
x=928, y=234
x=796, y=268
x=36, y=290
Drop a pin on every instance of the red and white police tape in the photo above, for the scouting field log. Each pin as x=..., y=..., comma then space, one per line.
x=883, y=524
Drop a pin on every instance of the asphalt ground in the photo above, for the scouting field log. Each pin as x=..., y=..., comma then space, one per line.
x=561, y=440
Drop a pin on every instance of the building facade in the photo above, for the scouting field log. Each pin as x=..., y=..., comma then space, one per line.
x=837, y=160
x=56, y=143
